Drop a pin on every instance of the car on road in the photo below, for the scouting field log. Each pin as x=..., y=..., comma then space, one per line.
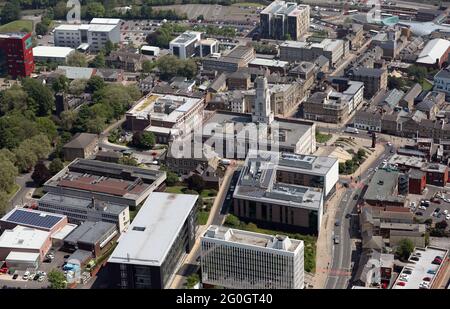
x=337, y=239
x=445, y=212
x=337, y=223
x=447, y=217
x=348, y=215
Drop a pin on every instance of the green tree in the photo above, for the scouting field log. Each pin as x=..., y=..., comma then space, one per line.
x=8, y=173
x=39, y=145
x=40, y=97
x=404, y=249
x=395, y=83
x=57, y=279
x=55, y=166
x=147, y=66
x=171, y=178
x=68, y=119
x=77, y=59
x=41, y=28
x=143, y=140
x=47, y=126
x=99, y=61
x=128, y=160
x=232, y=221
x=196, y=182
x=40, y=174
x=13, y=98
x=77, y=86
x=4, y=202
x=60, y=10
x=61, y=84
x=192, y=280
x=109, y=47
x=25, y=159
x=10, y=12
x=94, y=9
x=418, y=72
x=200, y=17
x=94, y=84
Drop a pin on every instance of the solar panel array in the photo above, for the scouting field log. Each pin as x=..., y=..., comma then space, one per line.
x=31, y=218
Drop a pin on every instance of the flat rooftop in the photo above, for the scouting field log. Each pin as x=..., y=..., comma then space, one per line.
x=156, y=226
x=107, y=178
x=382, y=186
x=419, y=269
x=269, y=63
x=251, y=239
x=410, y=161
x=91, y=232
x=291, y=131
x=163, y=107
x=186, y=37
x=21, y=237
x=52, y=51
x=82, y=203
x=105, y=21
x=257, y=181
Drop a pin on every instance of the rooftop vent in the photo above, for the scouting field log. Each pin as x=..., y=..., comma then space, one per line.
x=139, y=228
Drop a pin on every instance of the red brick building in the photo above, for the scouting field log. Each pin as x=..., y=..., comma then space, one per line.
x=16, y=54
x=417, y=181
x=437, y=174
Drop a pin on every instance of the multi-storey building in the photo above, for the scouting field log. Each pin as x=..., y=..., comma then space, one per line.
x=285, y=190
x=238, y=259
x=79, y=210
x=151, y=251
x=96, y=34
x=238, y=57
x=16, y=54
x=185, y=45
x=284, y=20
x=374, y=80
x=109, y=182
x=334, y=106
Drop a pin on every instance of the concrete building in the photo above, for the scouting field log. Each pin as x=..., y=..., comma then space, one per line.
x=334, y=106
x=281, y=20
x=167, y=116
x=284, y=190
x=150, y=253
x=108, y=182
x=238, y=259
x=442, y=81
x=94, y=237
x=333, y=49
x=125, y=60
x=274, y=66
x=79, y=210
x=409, y=98
x=26, y=240
x=95, y=34
x=52, y=53
x=389, y=42
x=82, y=145
x=238, y=57
x=374, y=80
x=208, y=47
x=35, y=219
x=185, y=45
x=383, y=189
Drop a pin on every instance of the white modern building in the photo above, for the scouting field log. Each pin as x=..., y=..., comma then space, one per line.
x=150, y=252
x=185, y=45
x=96, y=34
x=52, y=53
x=150, y=50
x=78, y=209
x=239, y=259
x=24, y=239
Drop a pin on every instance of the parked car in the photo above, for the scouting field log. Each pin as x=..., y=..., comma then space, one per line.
x=401, y=283
x=337, y=223
x=336, y=239
x=431, y=272
x=26, y=275
x=447, y=217
x=427, y=279
x=419, y=213
x=15, y=276
x=414, y=258
x=437, y=262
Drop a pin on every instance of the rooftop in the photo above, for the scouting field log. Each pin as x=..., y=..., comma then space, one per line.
x=105, y=21
x=81, y=140
x=419, y=269
x=155, y=228
x=76, y=72
x=91, y=232
x=269, y=63
x=83, y=203
x=21, y=237
x=186, y=37
x=434, y=50
x=382, y=186
x=410, y=161
x=33, y=218
x=52, y=51
x=270, y=242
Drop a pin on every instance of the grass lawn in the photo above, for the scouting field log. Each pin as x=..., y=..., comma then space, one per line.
x=309, y=241
x=202, y=217
x=17, y=26
x=38, y=192
x=322, y=137
x=14, y=190
x=426, y=85
x=175, y=189
x=208, y=193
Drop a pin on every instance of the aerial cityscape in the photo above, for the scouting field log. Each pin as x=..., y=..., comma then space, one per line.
x=223, y=144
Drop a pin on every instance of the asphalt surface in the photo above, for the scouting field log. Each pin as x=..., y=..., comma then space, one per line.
x=343, y=252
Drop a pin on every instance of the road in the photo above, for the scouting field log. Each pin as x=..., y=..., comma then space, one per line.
x=24, y=194
x=190, y=264
x=344, y=253
x=340, y=69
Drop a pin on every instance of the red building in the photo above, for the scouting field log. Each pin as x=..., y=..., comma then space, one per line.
x=16, y=54
x=437, y=174
x=417, y=181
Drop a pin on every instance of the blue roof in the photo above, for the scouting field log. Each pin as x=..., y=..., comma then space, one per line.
x=36, y=219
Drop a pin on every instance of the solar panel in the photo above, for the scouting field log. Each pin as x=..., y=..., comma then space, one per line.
x=31, y=218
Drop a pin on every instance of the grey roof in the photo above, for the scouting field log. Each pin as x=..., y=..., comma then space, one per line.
x=108, y=73
x=81, y=140
x=154, y=230
x=393, y=97
x=218, y=82
x=80, y=255
x=413, y=92
x=90, y=232
x=368, y=72
x=382, y=185
x=444, y=73
x=425, y=106
x=76, y=72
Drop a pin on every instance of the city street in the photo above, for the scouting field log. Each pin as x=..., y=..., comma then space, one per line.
x=343, y=253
